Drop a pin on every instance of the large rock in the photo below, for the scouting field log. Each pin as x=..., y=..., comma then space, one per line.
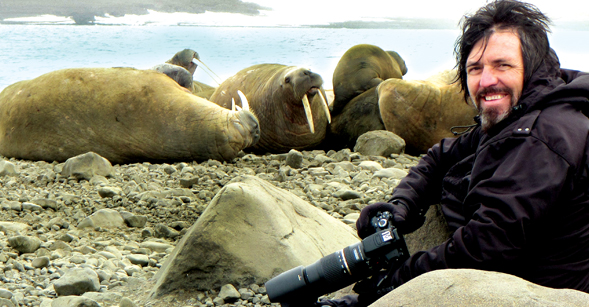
x=7, y=168
x=433, y=232
x=77, y=281
x=467, y=287
x=251, y=232
x=106, y=218
x=74, y=301
x=379, y=143
x=24, y=244
x=87, y=165
x=13, y=226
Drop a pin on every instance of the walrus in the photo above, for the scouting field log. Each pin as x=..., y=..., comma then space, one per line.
x=423, y=112
x=288, y=101
x=360, y=115
x=178, y=73
x=123, y=114
x=400, y=61
x=181, y=68
x=184, y=59
x=362, y=67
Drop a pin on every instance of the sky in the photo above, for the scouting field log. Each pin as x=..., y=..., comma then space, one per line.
x=323, y=12
x=342, y=10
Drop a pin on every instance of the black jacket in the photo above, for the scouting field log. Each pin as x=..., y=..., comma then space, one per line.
x=517, y=197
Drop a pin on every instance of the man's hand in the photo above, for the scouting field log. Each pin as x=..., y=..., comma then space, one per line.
x=401, y=219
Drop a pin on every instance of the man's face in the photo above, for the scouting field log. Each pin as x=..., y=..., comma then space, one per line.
x=495, y=76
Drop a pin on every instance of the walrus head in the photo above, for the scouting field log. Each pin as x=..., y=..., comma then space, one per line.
x=182, y=76
x=184, y=58
x=305, y=83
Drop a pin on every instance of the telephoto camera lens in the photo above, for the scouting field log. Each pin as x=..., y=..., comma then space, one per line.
x=302, y=286
x=326, y=275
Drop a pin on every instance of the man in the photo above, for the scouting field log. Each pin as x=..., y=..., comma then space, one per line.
x=515, y=189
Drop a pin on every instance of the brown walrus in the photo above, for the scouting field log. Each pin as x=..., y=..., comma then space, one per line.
x=288, y=101
x=184, y=59
x=358, y=116
x=123, y=114
x=423, y=112
x=178, y=73
x=181, y=68
x=361, y=68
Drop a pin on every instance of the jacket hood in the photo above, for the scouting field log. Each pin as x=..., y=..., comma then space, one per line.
x=546, y=88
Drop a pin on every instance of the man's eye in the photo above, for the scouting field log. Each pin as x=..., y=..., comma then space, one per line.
x=473, y=70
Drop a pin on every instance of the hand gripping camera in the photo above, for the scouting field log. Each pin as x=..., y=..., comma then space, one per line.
x=302, y=286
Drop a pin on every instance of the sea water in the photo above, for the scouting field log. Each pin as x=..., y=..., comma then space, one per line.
x=28, y=51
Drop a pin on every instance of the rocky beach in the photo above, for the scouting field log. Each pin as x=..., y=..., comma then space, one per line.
x=71, y=238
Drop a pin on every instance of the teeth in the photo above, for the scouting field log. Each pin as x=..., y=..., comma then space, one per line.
x=325, y=106
x=244, y=104
x=308, y=112
x=495, y=97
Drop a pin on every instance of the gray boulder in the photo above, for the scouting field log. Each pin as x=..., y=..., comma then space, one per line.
x=6, y=303
x=229, y=293
x=379, y=143
x=13, y=226
x=74, y=301
x=109, y=192
x=133, y=220
x=467, y=287
x=251, y=232
x=391, y=172
x=155, y=246
x=105, y=218
x=87, y=165
x=294, y=159
x=7, y=168
x=433, y=232
x=77, y=281
x=24, y=244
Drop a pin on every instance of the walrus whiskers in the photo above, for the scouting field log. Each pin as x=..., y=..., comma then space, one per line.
x=216, y=80
x=308, y=113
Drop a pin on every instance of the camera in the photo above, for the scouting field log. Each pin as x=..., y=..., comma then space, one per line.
x=301, y=286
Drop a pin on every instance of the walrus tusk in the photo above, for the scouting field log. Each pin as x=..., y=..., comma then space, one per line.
x=325, y=106
x=308, y=112
x=232, y=104
x=244, y=104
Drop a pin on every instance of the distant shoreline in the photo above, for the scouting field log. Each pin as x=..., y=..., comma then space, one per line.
x=405, y=24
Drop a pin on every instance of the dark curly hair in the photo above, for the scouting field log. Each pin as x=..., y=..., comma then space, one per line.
x=531, y=25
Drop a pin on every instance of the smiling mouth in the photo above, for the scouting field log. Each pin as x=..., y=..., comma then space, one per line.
x=494, y=97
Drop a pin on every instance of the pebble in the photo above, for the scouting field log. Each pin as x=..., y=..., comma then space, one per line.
x=110, y=231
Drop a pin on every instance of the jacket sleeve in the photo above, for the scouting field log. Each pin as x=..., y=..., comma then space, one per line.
x=422, y=186
x=514, y=182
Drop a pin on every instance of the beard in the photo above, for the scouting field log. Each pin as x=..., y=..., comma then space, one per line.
x=493, y=115
x=490, y=117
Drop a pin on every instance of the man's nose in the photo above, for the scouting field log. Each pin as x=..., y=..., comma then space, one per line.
x=488, y=77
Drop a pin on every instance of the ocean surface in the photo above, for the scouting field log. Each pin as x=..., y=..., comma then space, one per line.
x=28, y=51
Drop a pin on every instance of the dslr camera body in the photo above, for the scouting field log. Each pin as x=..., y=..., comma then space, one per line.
x=301, y=286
